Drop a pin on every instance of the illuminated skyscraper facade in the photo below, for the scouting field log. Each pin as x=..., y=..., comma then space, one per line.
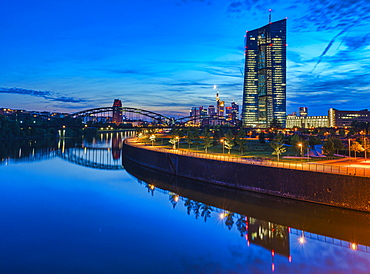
x=264, y=93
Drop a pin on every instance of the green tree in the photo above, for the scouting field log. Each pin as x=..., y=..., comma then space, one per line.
x=356, y=147
x=229, y=140
x=241, y=141
x=189, y=138
x=338, y=145
x=313, y=140
x=298, y=144
x=196, y=137
x=278, y=145
x=262, y=137
x=328, y=147
x=207, y=140
x=152, y=139
x=173, y=141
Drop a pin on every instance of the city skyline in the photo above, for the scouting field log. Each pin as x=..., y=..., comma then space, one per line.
x=167, y=56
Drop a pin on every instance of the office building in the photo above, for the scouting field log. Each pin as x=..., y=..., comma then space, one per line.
x=344, y=118
x=294, y=121
x=264, y=93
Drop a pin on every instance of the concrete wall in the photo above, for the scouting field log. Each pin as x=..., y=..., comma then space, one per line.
x=331, y=189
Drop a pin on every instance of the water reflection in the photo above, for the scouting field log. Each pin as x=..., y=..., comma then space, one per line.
x=102, y=151
x=265, y=221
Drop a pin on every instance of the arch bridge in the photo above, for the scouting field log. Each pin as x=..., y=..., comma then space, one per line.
x=107, y=114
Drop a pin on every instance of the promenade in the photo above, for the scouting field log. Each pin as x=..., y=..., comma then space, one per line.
x=345, y=166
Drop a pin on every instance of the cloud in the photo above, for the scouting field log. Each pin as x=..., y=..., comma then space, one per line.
x=310, y=15
x=48, y=95
x=328, y=47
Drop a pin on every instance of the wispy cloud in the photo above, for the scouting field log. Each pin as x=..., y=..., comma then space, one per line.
x=48, y=95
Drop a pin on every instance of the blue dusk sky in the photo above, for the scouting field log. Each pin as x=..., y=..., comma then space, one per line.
x=166, y=56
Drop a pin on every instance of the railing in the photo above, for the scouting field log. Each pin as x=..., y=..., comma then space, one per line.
x=325, y=168
x=330, y=240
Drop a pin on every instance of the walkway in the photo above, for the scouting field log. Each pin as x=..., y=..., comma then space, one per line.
x=347, y=166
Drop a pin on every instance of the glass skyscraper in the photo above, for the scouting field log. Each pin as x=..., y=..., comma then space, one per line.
x=264, y=93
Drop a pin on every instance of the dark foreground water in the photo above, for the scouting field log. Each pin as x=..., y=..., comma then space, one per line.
x=70, y=207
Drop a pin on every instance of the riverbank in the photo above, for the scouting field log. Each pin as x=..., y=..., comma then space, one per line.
x=323, y=184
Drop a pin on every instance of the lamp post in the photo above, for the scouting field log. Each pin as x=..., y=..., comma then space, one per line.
x=365, y=146
x=349, y=148
x=301, y=146
x=223, y=146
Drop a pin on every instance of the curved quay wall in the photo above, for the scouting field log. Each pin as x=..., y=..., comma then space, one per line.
x=345, y=191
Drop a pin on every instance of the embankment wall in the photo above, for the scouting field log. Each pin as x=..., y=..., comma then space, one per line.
x=345, y=191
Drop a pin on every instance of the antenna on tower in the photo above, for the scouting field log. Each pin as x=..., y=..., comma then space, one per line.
x=270, y=10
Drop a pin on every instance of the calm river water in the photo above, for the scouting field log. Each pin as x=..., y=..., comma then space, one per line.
x=73, y=206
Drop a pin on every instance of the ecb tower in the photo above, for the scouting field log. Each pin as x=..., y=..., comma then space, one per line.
x=264, y=93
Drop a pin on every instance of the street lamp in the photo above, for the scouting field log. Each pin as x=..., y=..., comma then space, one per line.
x=349, y=148
x=365, y=147
x=301, y=146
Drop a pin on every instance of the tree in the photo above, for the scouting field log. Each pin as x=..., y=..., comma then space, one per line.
x=298, y=144
x=356, y=147
x=152, y=138
x=338, y=145
x=189, y=137
x=262, y=137
x=241, y=141
x=328, y=147
x=278, y=145
x=229, y=140
x=196, y=137
x=207, y=140
x=173, y=141
x=313, y=140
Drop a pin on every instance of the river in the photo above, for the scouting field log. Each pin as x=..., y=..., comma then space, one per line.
x=74, y=206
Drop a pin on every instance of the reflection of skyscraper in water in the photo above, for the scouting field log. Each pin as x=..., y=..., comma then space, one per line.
x=264, y=93
x=117, y=112
x=269, y=235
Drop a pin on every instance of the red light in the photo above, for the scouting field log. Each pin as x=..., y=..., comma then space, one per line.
x=270, y=45
x=290, y=259
x=273, y=252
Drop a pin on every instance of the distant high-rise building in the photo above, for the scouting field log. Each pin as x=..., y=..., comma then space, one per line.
x=117, y=112
x=220, y=107
x=196, y=113
x=264, y=93
x=229, y=113
x=235, y=110
x=303, y=111
x=211, y=110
